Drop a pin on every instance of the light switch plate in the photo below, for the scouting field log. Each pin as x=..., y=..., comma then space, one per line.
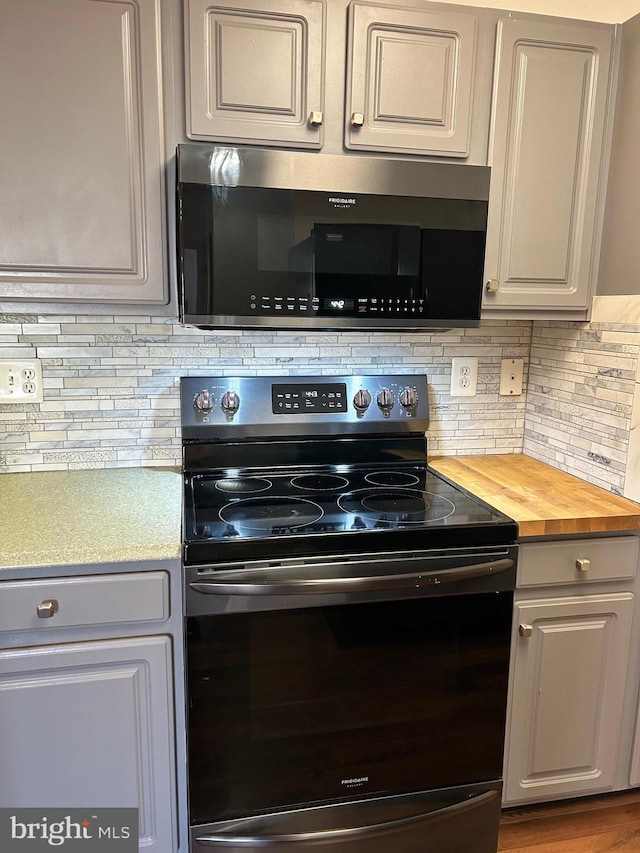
x=20, y=380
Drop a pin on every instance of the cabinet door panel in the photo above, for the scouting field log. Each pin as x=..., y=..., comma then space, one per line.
x=82, y=177
x=566, y=695
x=255, y=73
x=550, y=103
x=91, y=724
x=411, y=74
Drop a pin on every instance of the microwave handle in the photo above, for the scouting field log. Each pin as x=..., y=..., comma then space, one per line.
x=227, y=839
x=281, y=583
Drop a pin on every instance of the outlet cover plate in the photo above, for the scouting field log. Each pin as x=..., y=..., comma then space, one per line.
x=20, y=380
x=511, y=373
x=464, y=376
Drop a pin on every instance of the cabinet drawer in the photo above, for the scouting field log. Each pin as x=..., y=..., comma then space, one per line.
x=77, y=601
x=549, y=563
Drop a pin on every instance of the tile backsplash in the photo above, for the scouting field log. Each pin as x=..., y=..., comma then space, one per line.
x=582, y=379
x=111, y=391
x=111, y=395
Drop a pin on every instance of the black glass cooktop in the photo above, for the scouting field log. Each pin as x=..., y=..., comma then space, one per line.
x=251, y=508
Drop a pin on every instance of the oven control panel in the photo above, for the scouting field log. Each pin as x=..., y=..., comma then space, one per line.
x=319, y=397
x=248, y=406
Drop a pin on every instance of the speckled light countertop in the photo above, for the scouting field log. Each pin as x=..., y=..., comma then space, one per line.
x=58, y=518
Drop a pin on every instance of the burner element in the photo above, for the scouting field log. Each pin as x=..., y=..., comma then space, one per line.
x=243, y=485
x=399, y=506
x=319, y=482
x=267, y=514
x=391, y=478
x=398, y=502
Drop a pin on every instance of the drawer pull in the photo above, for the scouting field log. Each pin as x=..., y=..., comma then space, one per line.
x=47, y=608
x=583, y=565
x=525, y=630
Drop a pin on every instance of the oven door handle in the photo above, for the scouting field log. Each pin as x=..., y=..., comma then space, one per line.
x=228, y=839
x=241, y=582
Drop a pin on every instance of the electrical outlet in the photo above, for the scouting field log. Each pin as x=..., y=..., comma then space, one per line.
x=511, y=372
x=464, y=376
x=20, y=380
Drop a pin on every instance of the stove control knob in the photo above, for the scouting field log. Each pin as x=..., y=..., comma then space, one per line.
x=204, y=401
x=230, y=402
x=409, y=398
x=361, y=400
x=385, y=400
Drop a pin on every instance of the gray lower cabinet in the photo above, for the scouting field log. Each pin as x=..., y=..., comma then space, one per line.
x=549, y=119
x=88, y=715
x=570, y=672
x=256, y=73
x=89, y=725
x=82, y=181
x=569, y=727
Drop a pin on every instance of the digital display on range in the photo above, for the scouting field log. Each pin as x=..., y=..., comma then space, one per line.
x=318, y=398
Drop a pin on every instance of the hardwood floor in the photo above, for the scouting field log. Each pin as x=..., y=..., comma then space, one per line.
x=605, y=824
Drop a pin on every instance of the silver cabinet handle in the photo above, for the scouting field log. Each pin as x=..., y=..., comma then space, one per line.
x=525, y=630
x=492, y=285
x=46, y=609
x=316, y=118
x=583, y=565
x=357, y=119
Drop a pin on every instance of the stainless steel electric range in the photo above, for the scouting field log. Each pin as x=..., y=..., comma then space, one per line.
x=348, y=614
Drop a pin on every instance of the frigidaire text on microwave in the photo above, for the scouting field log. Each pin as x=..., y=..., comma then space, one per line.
x=298, y=240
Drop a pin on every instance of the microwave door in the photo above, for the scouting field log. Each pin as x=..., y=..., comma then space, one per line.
x=360, y=265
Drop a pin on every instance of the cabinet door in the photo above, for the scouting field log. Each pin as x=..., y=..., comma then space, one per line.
x=566, y=695
x=91, y=724
x=255, y=71
x=549, y=110
x=82, y=171
x=410, y=80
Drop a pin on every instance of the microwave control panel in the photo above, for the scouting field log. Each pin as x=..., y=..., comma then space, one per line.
x=366, y=306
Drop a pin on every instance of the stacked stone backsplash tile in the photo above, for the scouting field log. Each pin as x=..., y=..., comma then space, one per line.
x=111, y=394
x=582, y=378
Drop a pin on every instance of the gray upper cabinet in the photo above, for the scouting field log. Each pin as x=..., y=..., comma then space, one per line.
x=546, y=152
x=255, y=71
x=82, y=175
x=410, y=78
x=366, y=76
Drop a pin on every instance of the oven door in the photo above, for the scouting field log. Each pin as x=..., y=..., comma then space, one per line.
x=328, y=712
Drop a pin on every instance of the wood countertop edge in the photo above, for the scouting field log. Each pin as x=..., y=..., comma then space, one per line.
x=500, y=480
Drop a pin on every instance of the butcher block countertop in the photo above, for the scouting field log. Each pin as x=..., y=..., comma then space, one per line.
x=543, y=500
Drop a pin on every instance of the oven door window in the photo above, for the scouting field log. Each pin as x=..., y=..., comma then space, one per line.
x=318, y=704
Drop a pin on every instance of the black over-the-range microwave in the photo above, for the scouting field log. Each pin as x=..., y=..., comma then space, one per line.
x=297, y=240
